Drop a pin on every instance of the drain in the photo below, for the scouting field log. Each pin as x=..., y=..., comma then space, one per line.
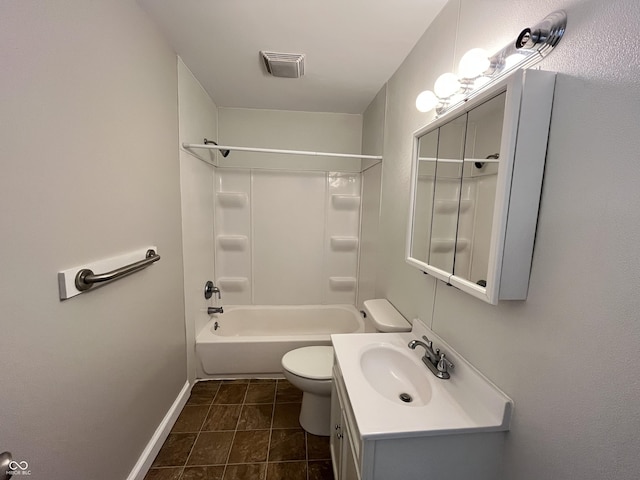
x=405, y=397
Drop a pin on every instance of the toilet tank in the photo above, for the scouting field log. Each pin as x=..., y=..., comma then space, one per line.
x=384, y=317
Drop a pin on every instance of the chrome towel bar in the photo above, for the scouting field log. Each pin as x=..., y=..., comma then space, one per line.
x=85, y=278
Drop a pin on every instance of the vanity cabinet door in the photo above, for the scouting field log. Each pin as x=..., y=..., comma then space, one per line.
x=336, y=440
x=340, y=443
x=349, y=469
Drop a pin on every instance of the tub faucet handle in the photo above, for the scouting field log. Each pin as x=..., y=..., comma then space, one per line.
x=210, y=289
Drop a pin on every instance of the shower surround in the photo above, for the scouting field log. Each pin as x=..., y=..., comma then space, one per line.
x=286, y=237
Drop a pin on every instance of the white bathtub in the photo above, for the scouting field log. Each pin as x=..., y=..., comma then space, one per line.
x=252, y=339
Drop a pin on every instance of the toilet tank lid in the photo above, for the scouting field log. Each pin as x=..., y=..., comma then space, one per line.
x=385, y=317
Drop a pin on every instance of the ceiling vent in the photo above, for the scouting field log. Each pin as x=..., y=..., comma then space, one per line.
x=287, y=65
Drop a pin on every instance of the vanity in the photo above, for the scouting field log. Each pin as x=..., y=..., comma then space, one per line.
x=391, y=417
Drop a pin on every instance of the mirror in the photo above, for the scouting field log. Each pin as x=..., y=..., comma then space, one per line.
x=478, y=190
x=424, y=184
x=476, y=182
x=446, y=194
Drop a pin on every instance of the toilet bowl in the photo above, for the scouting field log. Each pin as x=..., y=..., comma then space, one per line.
x=309, y=369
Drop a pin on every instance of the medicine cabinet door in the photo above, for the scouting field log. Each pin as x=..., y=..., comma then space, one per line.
x=478, y=190
x=446, y=196
x=424, y=182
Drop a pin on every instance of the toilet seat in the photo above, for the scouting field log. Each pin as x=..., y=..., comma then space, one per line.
x=315, y=363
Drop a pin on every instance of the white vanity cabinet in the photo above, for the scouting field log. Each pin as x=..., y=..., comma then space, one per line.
x=344, y=443
x=398, y=453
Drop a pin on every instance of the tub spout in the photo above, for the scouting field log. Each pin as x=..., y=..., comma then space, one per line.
x=213, y=310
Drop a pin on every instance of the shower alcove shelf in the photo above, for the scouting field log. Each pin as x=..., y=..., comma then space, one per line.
x=232, y=199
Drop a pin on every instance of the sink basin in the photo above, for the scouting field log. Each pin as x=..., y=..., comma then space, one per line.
x=376, y=368
x=396, y=375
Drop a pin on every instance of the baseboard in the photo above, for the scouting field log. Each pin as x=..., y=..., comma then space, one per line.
x=160, y=435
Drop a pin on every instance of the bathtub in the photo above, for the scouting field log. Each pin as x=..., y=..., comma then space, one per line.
x=252, y=339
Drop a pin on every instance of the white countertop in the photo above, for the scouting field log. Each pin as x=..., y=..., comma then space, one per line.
x=465, y=403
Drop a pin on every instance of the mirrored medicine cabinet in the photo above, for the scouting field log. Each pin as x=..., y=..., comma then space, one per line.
x=475, y=188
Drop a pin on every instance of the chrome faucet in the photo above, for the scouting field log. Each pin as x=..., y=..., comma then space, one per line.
x=428, y=349
x=433, y=359
x=212, y=310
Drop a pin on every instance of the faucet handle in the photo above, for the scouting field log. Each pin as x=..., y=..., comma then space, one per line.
x=443, y=364
x=429, y=342
x=210, y=290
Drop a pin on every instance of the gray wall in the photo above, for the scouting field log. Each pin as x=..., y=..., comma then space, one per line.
x=291, y=130
x=88, y=146
x=372, y=144
x=567, y=355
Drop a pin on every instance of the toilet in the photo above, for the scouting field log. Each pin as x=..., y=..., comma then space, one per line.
x=310, y=368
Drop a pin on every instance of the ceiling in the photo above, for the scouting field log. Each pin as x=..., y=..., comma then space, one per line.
x=352, y=47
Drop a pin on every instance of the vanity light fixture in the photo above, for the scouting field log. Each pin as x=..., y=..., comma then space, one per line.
x=477, y=69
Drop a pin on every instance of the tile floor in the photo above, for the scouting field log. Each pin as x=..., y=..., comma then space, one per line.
x=242, y=430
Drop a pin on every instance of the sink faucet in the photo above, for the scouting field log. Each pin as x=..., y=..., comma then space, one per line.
x=428, y=349
x=433, y=359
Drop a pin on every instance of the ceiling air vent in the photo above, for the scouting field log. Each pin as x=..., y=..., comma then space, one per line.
x=287, y=65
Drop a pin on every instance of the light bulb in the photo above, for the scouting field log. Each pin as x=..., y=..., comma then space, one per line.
x=474, y=63
x=426, y=101
x=446, y=85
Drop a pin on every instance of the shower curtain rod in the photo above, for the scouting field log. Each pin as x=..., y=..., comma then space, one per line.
x=188, y=146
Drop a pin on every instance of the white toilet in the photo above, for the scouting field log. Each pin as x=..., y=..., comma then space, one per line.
x=310, y=368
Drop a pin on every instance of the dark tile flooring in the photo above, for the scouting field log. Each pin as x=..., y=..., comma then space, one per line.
x=242, y=430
